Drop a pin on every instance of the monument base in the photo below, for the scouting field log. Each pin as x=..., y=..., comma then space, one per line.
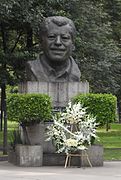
x=95, y=154
x=60, y=92
x=32, y=156
x=26, y=155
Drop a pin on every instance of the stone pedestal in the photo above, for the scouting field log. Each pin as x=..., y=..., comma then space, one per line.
x=60, y=92
x=27, y=156
x=95, y=154
x=35, y=134
x=32, y=156
x=48, y=146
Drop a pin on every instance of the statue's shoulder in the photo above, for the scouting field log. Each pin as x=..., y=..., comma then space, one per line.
x=75, y=69
x=33, y=62
x=35, y=70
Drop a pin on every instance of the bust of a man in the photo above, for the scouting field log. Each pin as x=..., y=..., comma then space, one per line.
x=55, y=64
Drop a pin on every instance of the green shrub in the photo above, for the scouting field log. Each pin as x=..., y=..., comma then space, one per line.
x=103, y=106
x=28, y=108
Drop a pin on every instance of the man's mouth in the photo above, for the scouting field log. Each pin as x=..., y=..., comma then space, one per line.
x=58, y=51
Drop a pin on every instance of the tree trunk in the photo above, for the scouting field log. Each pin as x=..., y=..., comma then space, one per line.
x=3, y=87
x=3, y=97
x=1, y=113
x=119, y=107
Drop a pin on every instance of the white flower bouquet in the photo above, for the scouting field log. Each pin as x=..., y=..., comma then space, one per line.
x=72, y=130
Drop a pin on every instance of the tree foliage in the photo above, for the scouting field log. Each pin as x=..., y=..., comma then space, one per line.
x=97, y=43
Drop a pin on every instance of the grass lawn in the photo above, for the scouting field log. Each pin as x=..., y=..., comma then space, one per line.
x=11, y=127
x=112, y=154
x=110, y=140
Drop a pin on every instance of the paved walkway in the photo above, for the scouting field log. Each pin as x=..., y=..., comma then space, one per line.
x=110, y=171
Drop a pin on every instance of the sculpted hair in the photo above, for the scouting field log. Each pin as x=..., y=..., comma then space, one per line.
x=59, y=21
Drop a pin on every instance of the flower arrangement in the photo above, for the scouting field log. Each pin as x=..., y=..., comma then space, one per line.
x=73, y=129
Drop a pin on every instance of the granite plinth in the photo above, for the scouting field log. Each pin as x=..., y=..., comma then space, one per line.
x=95, y=154
x=60, y=92
x=26, y=155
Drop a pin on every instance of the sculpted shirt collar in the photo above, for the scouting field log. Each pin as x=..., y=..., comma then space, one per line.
x=40, y=70
x=51, y=71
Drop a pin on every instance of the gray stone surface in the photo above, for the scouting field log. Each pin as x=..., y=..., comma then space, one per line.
x=48, y=146
x=95, y=154
x=35, y=134
x=61, y=93
x=29, y=156
x=110, y=171
x=12, y=158
x=55, y=159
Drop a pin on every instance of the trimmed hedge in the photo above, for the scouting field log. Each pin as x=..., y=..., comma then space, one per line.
x=103, y=106
x=28, y=108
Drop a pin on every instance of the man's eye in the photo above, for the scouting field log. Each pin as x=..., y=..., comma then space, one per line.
x=51, y=37
x=66, y=37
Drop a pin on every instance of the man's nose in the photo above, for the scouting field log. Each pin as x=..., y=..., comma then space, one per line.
x=58, y=41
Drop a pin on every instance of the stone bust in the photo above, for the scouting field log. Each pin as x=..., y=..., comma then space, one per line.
x=55, y=64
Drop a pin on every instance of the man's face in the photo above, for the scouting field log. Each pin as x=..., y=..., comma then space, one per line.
x=57, y=43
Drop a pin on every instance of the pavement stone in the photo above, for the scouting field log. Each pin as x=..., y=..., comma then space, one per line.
x=110, y=171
